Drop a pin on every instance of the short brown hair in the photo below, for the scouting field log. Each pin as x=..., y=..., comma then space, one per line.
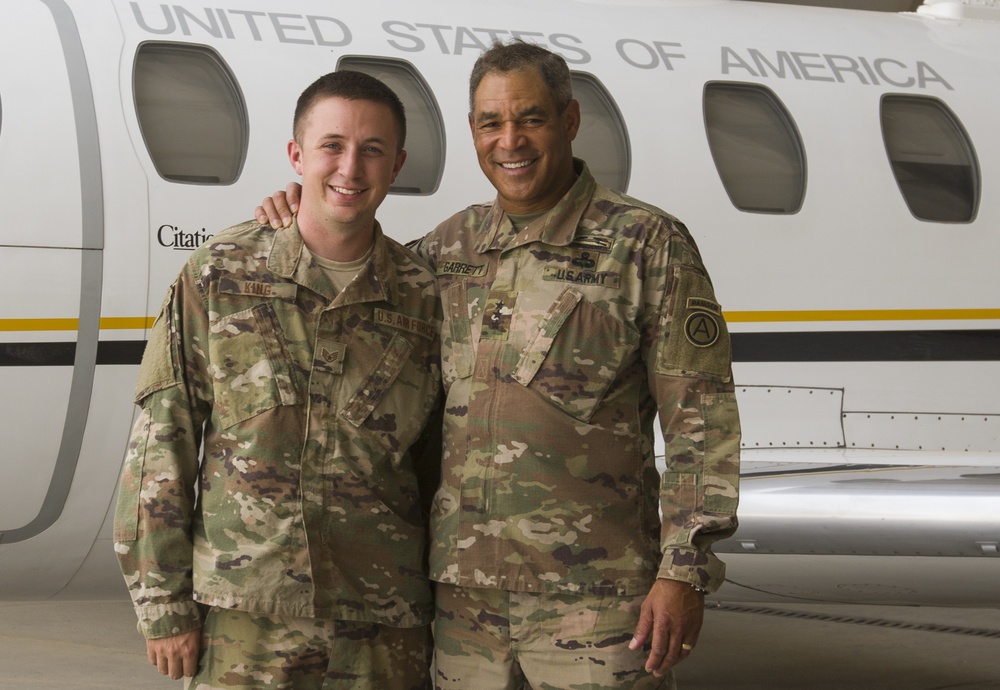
x=353, y=86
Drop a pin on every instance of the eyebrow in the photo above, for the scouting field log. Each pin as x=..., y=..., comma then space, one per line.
x=493, y=114
x=341, y=137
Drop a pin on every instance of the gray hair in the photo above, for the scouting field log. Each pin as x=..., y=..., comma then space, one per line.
x=517, y=55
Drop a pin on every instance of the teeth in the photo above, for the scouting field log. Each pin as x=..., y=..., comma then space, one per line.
x=343, y=190
x=515, y=166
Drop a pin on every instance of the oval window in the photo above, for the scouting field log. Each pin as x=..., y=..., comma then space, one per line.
x=756, y=147
x=191, y=113
x=932, y=159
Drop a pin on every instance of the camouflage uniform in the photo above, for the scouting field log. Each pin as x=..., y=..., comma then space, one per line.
x=265, y=652
x=561, y=343
x=304, y=501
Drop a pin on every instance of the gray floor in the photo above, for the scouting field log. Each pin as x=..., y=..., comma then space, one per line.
x=84, y=645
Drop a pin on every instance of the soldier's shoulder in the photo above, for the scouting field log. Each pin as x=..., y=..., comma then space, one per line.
x=622, y=203
x=469, y=217
x=249, y=236
x=456, y=230
x=408, y=260
x=641, y=222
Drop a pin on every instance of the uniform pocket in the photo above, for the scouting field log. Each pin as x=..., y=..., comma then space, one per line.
x=250, y=365
x=456, y=338
x=377, y=383
x=126, y=525
x=575, y=355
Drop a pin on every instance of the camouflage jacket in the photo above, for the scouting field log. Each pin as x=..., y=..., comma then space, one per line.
x=560, y=345
x=268, y=469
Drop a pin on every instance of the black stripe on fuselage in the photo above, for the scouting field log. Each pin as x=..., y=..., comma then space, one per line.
x=61, y=354
x=868, y=346
x=819, y=346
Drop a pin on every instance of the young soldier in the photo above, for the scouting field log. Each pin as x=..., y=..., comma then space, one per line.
x=269, y=518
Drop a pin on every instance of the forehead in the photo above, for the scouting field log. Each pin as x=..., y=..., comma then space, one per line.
x=333, y=115
x=514, y=90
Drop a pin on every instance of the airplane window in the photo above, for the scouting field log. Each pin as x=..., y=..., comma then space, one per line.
x=425, y=142
x=932, y=158
x=191, y=113
x=756, y=147
x=602, y=140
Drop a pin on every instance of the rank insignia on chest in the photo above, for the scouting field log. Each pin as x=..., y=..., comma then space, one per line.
x=498, y=314
x=329, y=356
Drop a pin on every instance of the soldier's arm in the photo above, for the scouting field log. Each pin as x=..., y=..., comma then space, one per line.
x=688, y=361
x=156, y=500
x=689, y=365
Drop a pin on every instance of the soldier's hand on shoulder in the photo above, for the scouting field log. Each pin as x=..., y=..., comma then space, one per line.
x=277, y=210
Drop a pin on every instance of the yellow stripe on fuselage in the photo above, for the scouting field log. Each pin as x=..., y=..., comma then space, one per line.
x=112, y=323
x=833, y=315
x=118, y=323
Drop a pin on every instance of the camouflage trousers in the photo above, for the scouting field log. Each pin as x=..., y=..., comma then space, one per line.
x=487, y=639
x=266, y=652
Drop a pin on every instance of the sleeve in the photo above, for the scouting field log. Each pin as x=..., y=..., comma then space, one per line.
x=689, y=367
x=156, y=497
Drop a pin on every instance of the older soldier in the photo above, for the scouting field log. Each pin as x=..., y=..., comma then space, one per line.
x=573, y=316
x=269, y=515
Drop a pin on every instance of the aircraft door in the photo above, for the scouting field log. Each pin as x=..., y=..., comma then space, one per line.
x=50, y=252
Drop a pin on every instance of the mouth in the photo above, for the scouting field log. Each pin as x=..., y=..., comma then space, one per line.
x=346, y=191
x=516, y=165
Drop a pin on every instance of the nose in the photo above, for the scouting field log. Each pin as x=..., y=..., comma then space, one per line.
x=511, y=136
x=350, y=163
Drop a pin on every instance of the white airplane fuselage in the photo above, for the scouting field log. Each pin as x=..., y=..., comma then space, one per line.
x=866, y=338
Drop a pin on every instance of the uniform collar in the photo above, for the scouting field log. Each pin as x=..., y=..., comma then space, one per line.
x=377, y=282
x=556, y=227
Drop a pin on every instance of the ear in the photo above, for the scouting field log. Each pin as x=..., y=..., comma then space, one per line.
x=295, y=156
x=398, y=165
x=571, y=119
x=472, y=126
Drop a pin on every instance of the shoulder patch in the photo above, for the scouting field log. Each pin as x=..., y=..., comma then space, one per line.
x=701, y=327
x=696, y=341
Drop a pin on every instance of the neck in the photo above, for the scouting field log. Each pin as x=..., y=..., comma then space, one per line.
x=337, y=244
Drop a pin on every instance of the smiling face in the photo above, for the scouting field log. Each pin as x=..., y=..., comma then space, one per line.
x=523, y=142
x=347, y=154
